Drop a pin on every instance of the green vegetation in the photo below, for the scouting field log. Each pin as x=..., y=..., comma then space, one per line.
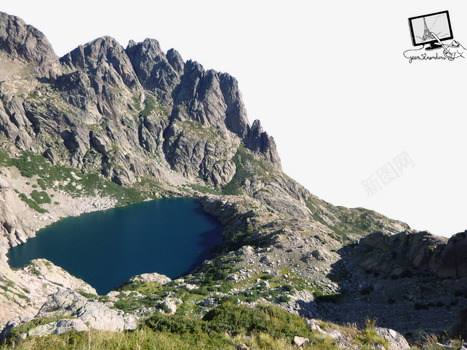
x=224, y=327
x=136, y=104
x=16, y=332
x=204, y=189
x=32, y=203
x=150, y=105
x=40, y=197
x=87, y=295
x=368, y=335
x=68, y=179
x=232, y=319
x=42, y=184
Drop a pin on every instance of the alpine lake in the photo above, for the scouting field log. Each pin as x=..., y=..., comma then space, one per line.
x=106, y=248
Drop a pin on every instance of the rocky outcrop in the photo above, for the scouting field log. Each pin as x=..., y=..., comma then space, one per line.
x=106, y=59
x=66, y=303
x=260, y=142
x=154, y=70
x=453, y=262
x=193, y=151
x=25, y=290
x=21, y=41
x=405, y=251
x=71, y=311
x=58, y=327
x=419, y=252
x=395, y=339
x=11, y=229
x=210, y=98
x=148, y=278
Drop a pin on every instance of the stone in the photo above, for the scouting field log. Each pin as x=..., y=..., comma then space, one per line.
x=169, y=306
x=395, y=339
x=300, y=341
x=95, y=314
x=151, y=278
x=14, y=322
x=58, y=327
x=242, y=347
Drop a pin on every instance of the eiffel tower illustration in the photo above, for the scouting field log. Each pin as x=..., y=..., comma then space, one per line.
x=427, y=33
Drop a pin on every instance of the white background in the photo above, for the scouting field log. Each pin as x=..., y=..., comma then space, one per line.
x=327, y=79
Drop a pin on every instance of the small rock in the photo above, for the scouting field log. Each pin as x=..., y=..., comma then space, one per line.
x=300, y=341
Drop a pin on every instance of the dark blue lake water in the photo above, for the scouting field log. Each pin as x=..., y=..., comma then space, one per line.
x=168, y=236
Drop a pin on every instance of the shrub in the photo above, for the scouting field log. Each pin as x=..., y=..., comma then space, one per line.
x=40, y=197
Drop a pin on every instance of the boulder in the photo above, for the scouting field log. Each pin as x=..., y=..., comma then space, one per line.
x=453, y=262
x=58, y=327
x=148, y=278
x=300, y=341
x=395, y=339
x=67, y=303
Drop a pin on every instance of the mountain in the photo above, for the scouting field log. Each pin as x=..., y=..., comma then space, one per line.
x=107, y=126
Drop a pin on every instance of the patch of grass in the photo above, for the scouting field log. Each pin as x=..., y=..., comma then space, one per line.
x=149, y=107
x=32, y=204
x=224, y=327
x=40, y=197
x=204, y=189
x=368, y=335
x=87, y=295
x=41, y=184
x=234, y=320
x=16, y=332
x=30, y=164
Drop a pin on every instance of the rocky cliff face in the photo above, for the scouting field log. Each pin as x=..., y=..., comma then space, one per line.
x=20, y=41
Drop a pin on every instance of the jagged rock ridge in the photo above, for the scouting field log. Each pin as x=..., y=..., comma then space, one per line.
x=138, y=100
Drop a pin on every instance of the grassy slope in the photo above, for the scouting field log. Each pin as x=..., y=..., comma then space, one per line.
x=225, y=327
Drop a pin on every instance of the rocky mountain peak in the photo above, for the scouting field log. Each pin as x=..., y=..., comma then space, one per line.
x=152, y=67
x=24, y=42
x=102, y=56
x=210, y=98
x=175, y=61
x=259, y=141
